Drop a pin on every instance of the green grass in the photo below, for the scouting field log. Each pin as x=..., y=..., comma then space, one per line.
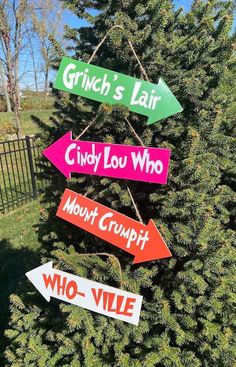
x=36, y=101
x=28, y=127
x=19, y=253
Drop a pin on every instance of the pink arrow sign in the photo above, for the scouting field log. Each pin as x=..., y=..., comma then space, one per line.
x=111, y=160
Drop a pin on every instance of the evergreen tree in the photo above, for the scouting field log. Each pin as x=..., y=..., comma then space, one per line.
x=187, y=316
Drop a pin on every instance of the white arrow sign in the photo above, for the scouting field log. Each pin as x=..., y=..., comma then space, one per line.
x=93, y=296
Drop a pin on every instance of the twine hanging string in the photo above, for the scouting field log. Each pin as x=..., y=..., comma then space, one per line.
x=134, y=133
x=87, y=127
x=143, y=72
x=137, y=137
x=108, y=255
x=135, y=206
x=98, y=254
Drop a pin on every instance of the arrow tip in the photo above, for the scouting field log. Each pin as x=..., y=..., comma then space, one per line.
x=35, y=277
x=167, y=106
x=55, y=153
x=156, y=247
x=151, y=120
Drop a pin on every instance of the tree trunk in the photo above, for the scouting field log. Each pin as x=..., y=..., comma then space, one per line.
x=14, y=98
x=17, y=120
x=17, y=102
x=46, y=84
x=17, y=44
x=8, y=103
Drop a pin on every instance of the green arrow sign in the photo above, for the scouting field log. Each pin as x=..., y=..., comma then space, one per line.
x=153, y=100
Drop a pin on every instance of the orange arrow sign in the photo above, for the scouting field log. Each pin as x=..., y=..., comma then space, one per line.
x=143, y=241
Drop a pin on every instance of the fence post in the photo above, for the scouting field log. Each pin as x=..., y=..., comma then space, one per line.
x=31, y=166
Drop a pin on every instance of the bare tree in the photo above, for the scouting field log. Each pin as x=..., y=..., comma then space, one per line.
x=47, y=25
x=24, y=24
x=13, y=16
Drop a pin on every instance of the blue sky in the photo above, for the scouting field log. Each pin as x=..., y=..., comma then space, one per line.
x=186, y=4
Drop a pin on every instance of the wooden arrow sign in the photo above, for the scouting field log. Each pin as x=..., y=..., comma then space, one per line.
x=111, y=160
x=143, y=241
x=153, y=100
x=86, y=293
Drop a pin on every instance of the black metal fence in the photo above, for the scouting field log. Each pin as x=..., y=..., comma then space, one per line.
x=18, y=182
